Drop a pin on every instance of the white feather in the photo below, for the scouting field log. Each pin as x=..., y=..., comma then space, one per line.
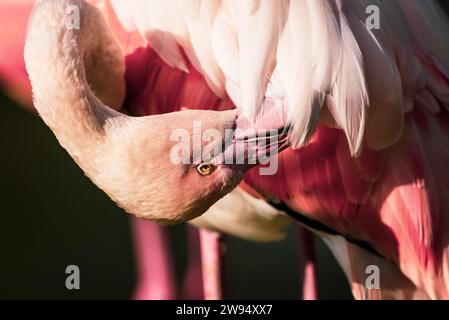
x=139, y=11
x=325, y=42
x=294, y=69
x=200, y=31
x=124, y=14
x=169, y=31
x=225, y=50
x=384, y=120
x=191, y=9
x=258, y=34
x=349, y=100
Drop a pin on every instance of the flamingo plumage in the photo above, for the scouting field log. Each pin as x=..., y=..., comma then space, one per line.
x=150, y=83
x=367, y=111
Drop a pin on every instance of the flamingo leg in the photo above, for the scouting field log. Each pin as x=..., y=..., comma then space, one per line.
x=192, y=285
x=308, y=264
x=212, y=256
x=155, y=271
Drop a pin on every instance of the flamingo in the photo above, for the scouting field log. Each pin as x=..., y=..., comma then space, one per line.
x=382, y=95
x=252, y=219
x=243, y=214
x=13, y=77
x=366, y=111
x=116, y=91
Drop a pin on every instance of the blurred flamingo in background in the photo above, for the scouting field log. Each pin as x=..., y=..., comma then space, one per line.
x=13, y=77
x=366, y=108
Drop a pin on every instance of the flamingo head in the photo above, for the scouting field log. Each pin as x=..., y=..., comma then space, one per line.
x=172, y=167
x=168, y=168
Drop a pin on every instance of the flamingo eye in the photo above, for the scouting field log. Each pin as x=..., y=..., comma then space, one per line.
x=205, y=169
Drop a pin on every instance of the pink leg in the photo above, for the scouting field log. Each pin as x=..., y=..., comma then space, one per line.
x=308, y=263
x=193, y=286
x=212, y=254
x=155, y=275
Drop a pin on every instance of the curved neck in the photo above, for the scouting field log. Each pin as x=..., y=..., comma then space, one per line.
x=57, y=55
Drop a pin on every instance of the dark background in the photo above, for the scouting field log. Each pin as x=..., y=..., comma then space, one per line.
x=52, y=216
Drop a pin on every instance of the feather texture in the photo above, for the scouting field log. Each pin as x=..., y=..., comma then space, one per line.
x=256, y=54
x=368, y=110
x=150, y=82
x=349, y=101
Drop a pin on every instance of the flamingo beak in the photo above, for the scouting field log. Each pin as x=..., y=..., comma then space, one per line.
x=256, y=142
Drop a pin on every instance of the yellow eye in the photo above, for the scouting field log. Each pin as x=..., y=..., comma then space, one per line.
x=205, y=169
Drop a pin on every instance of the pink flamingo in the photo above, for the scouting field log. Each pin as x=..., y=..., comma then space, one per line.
x=377, y=79
x=367, y=111
x=13, y=77
x=150, y=81
x=114, y=97
x=259, y=222
x=357, y=98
